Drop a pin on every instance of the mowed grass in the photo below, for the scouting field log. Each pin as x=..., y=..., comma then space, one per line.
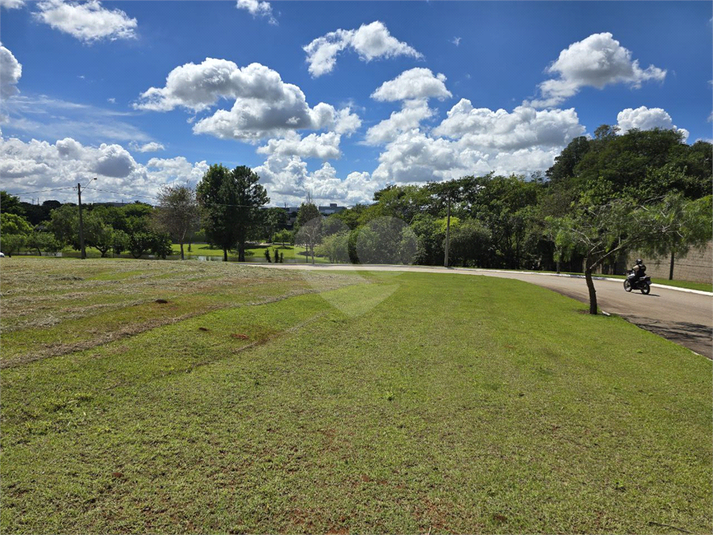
x=408, y=403
x=56, y=306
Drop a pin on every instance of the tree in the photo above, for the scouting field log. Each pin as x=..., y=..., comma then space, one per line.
x=161, y=244
x=10, y=204
x=43, y=241
x=177, y=212
x=64, y=224
x=309, y=227
x=470, y=243
x=103, y=238
x=14, y=232
x=231, y=201
x=685, y=224
x=139, y=243
x=275, y=220
x=601, y=231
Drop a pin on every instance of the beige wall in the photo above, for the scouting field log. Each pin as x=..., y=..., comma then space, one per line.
x=697, y=266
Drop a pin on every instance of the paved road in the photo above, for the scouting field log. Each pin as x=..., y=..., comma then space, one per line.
x=683, y=317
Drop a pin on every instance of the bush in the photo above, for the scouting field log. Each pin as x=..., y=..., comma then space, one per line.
x=161, y=244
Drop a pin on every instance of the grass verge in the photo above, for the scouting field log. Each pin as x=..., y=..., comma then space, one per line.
x=454, y=404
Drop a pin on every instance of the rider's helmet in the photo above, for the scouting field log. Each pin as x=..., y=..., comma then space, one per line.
x=638, y=261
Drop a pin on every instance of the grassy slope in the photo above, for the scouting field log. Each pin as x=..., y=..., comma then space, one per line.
x=455, y=404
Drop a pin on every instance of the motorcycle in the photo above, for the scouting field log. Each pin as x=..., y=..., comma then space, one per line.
x=643, y=284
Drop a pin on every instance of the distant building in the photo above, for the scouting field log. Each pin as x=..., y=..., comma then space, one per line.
x=292, y=212
x=331, y=209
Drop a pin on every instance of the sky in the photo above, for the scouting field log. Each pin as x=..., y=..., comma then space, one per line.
x=331, y=99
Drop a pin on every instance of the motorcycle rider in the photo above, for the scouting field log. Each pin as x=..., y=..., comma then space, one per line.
x=639, y=270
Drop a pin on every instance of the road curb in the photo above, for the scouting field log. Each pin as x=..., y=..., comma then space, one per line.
x=472, y=270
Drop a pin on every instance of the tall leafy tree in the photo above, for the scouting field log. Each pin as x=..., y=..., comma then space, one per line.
x=231, y=202
x=251, y=196
x=177, y=212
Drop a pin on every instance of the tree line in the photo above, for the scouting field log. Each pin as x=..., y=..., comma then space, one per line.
x=604, y=196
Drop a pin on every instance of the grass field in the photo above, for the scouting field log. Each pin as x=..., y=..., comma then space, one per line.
x=255, y=253
x=263, y=401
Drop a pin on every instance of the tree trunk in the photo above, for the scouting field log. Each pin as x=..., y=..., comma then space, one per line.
x=241, y=252
x=182, y=258
x=225, y=255
x=670, y=271
x=592, y=291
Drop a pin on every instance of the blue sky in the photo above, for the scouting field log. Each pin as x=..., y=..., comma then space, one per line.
x=412, y=91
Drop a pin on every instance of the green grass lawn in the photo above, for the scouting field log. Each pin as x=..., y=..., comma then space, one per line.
x=377, y=403
x=255, y=253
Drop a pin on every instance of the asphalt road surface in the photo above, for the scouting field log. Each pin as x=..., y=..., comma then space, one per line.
x=683, y=317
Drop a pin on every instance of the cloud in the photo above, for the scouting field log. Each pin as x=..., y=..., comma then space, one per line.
x=264, y=105
x=415, y=157
x=12, y=4
x=644, y=118
x=257, y=8
x=322, y=146
x=522, y=128
x=288, y=180
x=410, y=117
x=153, y=146
x=418, y=83
x=89, y=22
x=10, y=73
x=597, y=61
x=370, y=41
x=37, y=166
x=50, y=118
x=478, y=141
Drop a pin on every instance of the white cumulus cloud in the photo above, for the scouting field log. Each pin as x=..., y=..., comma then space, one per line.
x=408, y=118
x=643, y=118
x=37, y=166
x=418, y=83
x=257, y=8
x=475, y=141
x=10, y=73
x=288, y=180
x=597, y=61
x=522, y=128
x=264, y=106
x=88, y=22
x=323, y=146
x=370, y=41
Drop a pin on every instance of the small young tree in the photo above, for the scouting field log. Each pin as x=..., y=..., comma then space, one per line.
x=601, y=231
x=177, y=212
x=686, y=224
x=309, y=222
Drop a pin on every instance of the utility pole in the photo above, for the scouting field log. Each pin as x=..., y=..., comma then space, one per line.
x=81, y=221
x=448, y=230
